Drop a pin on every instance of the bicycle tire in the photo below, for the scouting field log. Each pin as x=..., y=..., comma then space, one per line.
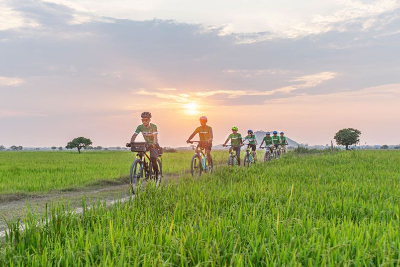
x=195, y=166
x=246, y=161
x=136, y=174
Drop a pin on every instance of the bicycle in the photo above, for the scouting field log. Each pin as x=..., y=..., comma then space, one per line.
x=199, y=161
x=233, y=159
x=267, y=155
x=142, y=167
x=276, y=152
x=248, y=158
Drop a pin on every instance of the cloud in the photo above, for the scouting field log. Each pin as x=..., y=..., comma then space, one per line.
x=9, y=81
x=9, y=113
x=343, y=19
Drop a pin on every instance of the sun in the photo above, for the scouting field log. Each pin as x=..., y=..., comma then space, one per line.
x=191, y=108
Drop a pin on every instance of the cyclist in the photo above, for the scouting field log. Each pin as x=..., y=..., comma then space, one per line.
x=284, y=141
x=236, y=142
x=276, y=140
x=150, y=135
x=268, y=142
x=252, y=142
x=206, y=137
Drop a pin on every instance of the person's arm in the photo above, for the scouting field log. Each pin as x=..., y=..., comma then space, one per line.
x=227, y=140
x=135, y=134
x=211, y=136
x=256, y=141
x=155, y=135
x=262, y=143
x=191, y=136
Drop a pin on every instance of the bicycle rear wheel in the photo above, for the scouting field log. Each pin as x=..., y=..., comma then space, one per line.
x=195, y=166
x=136, y=174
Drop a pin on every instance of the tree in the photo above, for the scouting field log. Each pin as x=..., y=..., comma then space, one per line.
x=60, y=148
x=53, y=148
x=384, y=147
x=79, y=143
x=397, y=147
x=347, y=137
x=2, y=148
x=98, y=148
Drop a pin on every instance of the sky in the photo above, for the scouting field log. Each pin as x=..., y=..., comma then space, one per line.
x=89, y=68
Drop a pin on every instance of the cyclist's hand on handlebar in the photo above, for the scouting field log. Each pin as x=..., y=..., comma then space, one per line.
x=189, y=142
x=128, y=144
x=224, y=145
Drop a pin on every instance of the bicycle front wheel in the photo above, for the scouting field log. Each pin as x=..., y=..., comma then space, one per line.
x=136, y=173
x=246, y=161
x=195, y=166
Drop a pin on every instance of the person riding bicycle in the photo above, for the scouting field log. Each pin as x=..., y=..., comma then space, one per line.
x=284, y=141
x=268, y=142
x=206, y=137
x=252, y=142
x=236, y=142
x=276, y=140
x=150, y=135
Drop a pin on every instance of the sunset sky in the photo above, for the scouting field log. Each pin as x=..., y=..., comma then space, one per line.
x=72, y=68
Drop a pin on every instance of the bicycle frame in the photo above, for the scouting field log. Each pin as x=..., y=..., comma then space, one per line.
x=203, y=156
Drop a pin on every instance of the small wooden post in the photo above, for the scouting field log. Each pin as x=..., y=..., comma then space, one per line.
x=332, y=150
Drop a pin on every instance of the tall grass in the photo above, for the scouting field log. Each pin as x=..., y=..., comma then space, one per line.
x=325, y=210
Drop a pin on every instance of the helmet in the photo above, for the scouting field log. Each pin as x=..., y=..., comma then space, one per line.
x=203, y=118
x=282, y=133
x=234, y=128
x=275, y=132
x=267, y=133
x=146, y=115
x=250, y=131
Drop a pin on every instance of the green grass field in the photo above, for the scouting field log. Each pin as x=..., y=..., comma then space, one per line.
x=33, y=172
x=314, y=210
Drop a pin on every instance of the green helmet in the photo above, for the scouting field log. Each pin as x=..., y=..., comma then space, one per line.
x=234, y=128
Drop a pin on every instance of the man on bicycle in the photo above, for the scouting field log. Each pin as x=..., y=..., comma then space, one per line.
x=284, y=142
x=150, y=133
x=276, y=140
x=206, y=137
x=268, y=142
x=236, y=142
x=252, y=142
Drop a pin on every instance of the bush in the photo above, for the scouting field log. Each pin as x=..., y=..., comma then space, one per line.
x=169, y=150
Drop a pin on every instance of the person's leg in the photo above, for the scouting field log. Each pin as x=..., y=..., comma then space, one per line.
x=153, y=159
x=238, y=154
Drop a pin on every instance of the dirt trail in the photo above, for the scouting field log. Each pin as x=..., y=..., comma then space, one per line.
x=18, y=207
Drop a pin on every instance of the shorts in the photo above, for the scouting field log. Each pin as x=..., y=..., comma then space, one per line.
x=155, y=152
x=276, y=146
x=205, y=145
x=253, y=147
x=237, y=150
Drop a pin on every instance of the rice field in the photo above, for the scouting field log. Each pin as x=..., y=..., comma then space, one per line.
x=314, y=210
x=33, y=172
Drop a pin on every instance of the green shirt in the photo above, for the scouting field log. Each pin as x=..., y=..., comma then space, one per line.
x=283, y=140
x=276, y=140
x=267, y=140
x=251, y=138
x=236, y=139
x=148, y=133
x=204, y=132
